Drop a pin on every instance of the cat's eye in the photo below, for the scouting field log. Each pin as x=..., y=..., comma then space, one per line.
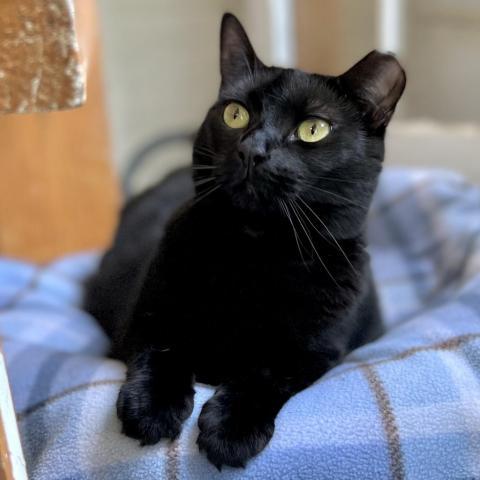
x=235, y=115
x=313, y=130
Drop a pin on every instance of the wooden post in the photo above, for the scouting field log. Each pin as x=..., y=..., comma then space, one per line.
x=12, y=463
x=58, y=192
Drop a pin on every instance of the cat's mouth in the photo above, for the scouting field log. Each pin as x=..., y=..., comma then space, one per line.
x=255, y=187
x=246, y=186
x=244, y=179
x=246, y=193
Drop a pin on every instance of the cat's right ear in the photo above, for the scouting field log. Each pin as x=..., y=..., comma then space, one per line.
x=376, y=82
x=237, y=57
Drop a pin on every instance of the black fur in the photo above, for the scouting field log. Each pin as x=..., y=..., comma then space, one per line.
x=230, y=290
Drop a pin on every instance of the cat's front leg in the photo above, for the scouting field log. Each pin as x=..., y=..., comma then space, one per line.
x=157, y=396
x=235, y=425
x=239, y=420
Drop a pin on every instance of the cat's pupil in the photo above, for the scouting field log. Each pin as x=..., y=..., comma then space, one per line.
x=236, y=113
x=313, y=129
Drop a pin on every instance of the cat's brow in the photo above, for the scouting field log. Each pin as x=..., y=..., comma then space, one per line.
x=247, y=85
x=321, y=109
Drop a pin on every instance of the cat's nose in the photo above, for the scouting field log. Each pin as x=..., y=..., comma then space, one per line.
x=252, y=156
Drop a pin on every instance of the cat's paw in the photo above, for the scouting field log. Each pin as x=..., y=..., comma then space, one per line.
x=149, y=419
x=229, y=434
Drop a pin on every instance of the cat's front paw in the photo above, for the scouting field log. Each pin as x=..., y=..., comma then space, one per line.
x=150, y=419
x=231, y=434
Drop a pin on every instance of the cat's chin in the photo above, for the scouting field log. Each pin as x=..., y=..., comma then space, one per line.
x=247, y=203
x=245, y=196
x=255, y=207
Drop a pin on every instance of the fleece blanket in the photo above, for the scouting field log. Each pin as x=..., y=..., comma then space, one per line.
x=404, y=407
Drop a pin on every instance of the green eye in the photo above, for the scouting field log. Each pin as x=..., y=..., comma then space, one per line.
x=236, y=116
x=313, y=130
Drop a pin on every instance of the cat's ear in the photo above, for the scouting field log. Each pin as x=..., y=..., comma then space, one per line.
x=237, y=57
x=377, y=83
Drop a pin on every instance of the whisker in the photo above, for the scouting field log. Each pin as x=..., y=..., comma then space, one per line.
x=205, y=153
x=297, y=240
x=341, y=180
x=310, y=222
x=204, y=167
x=330, y=233
x=202, y=196
x=295, y=212
x=336, y=195
x=313, y=245
x=204, y=180
x=207, y=156
x=204, y=148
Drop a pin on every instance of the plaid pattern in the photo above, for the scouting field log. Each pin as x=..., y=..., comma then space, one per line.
x=404, y=407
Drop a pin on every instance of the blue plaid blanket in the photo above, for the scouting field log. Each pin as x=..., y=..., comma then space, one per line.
x=404, y=407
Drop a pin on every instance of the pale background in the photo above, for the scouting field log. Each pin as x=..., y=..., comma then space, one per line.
x=161, y=66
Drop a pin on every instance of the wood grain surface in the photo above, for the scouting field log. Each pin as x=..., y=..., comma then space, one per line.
x=58, y=191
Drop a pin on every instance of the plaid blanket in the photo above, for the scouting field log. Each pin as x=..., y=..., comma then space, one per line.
x=404, y=407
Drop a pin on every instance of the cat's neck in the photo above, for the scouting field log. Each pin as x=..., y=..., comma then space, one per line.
x=339, y=221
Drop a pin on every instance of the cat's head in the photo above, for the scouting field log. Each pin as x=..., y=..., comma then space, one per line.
x=277, y=137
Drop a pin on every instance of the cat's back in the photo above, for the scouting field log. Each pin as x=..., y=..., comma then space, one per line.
x=112, y=291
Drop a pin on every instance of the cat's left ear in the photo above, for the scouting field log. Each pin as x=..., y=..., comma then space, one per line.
x=237, y=57
x=376, y=82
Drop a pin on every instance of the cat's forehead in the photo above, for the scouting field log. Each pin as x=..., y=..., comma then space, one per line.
x=288, y=90
x=297, y=86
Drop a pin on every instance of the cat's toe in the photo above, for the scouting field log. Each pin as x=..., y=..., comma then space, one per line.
x=150, y=430
x=229, y=439
x=149, y=421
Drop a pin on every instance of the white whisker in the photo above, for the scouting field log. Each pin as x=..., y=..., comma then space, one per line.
x=297, y=240
x=310, y=222
x=203, y=148
x=202, y=196
x=205, y=152
x=329, y=232
x=204, y=180
x=341, y=180
x=314, y=187
x=313, y=245
x=204, y=167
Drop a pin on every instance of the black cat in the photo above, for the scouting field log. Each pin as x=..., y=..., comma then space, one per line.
x=260, y=282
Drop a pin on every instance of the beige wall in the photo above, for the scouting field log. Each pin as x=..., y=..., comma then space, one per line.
x=161, y=61
x=441, y=50
x=161, y=66
x=441, y=53
x=334, y=34
x=443, y=58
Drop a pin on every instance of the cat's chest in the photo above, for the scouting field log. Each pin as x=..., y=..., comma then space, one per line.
x=238, y=294
x=240, y=276
x=231, y=257
x=220, y=270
